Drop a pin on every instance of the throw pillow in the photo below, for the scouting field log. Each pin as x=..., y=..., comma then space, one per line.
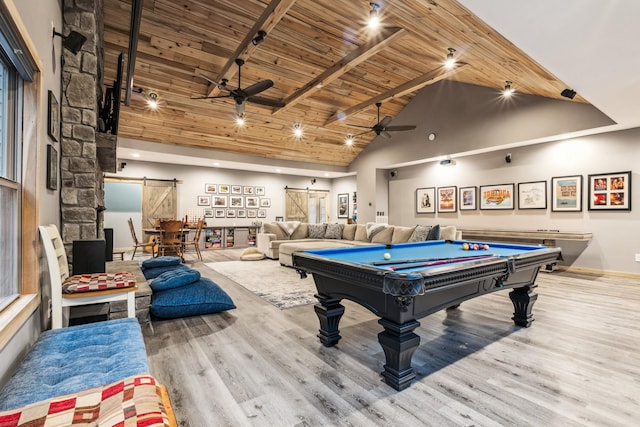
x=152, y=273
x=161, y=261
x=420, y=233
x=448, y=232
x=174, y=279
x=383, y=236
x=401, y=234
x=288, y=227
x=201, y=297
x=302, y=232
x=361, y=233
x=333, y=231
x=373, y=228
x=316, y=231
x=272, y=228
x=434, y=233
x=349, y=231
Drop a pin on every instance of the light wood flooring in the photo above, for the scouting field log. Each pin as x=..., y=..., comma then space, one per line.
x=577, y=365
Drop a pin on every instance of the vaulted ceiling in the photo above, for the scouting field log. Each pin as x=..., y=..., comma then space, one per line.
x=328, y=69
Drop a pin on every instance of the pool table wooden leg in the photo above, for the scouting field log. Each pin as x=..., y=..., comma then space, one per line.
x=329, y=311
x=399, y=343
x=523, y=299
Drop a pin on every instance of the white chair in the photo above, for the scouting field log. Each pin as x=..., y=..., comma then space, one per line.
x=59, y=272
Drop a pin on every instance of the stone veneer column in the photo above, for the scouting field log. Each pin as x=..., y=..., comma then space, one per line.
x=82, y=191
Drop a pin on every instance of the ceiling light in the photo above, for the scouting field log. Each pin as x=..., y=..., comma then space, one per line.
x=374, y=16
x=240, y=108
x=450, y=62
x=508, y=90
x=152, y=101
x=259, y=38
x=240, y=120
x=297, y=130
x=73, y=42
x=350, y=139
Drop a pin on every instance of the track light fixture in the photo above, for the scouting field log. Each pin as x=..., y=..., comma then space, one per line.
x=349, y=140
x=450, y=62
x=152, y=101
x=240, y=120
x=508, y=90
x=73, y=42
x=259, y=38
x=297, y=130
x=374, y=16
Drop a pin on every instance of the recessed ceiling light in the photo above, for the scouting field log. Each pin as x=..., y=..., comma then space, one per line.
x=451, y=61
x=216, y=164
x=152, y=101
x=278, y=170
x=136, y=155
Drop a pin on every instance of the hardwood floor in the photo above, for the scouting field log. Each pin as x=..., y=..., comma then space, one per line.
x=577, y=365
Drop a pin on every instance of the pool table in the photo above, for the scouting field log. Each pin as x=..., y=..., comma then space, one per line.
x=404, y=282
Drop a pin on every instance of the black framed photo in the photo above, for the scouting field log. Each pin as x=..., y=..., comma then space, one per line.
x=498, y=196
x=447, y=199
x=53, y=120
x=52, y=168
x=343, y=205
x=468, y=198
x=566, y=193
x=532, y=195
x=425, y=200
x=610, y=191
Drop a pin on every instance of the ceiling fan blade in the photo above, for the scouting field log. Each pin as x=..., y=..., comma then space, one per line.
x=256, y=88
x=362, y=133
x=221, y=86
x=265, y=101
x=359, y=126
x=212, y=97
x=384, y=122
x=385, y=134
x=399, y=128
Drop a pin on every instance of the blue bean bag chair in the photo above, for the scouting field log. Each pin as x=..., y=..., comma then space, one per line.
x=200, y=297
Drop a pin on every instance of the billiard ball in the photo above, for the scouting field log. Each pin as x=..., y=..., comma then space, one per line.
x=476, y=246
x=387, y=255
x=485, y=247
x=465, y=246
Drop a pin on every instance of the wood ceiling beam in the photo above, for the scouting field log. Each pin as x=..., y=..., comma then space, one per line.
x=431, y=77
x=274, y=12
x=343, y=66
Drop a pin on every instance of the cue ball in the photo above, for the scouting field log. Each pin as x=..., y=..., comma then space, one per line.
x=387, y=255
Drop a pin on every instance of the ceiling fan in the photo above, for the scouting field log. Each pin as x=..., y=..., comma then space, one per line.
x=382, y=126
x=241, y=96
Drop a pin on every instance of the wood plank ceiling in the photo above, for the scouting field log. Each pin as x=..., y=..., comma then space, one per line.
x=324, y=62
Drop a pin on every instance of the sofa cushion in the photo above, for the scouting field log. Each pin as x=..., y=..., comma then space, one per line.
x=201, y=297
x=272, y=228
x=174, y=279
x=373, y=228
x=152, y=273
x=420, y=233
x=161, y=261
x=448, y=232
x=383, y=236
x=349, y=231
x=434, y=233
x=361, y=233
x=302, y=232
x=401, y=234
x=333, y=231
x=316, y=231
x=288, y=226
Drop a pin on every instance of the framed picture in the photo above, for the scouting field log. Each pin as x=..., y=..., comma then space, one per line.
x=260, y=191
x=219, y=201
x=447, y=199
x=231, y=213
x=236, y=189
x=343, y=205
x=208, y=213
x=53, y=121
x=241, y=213
x=468, y=198
x=223, y=189
x=425, y=200
x=236, y=202
x=498, y=196
x=204, y=200
x=566, y=193
x=52, y=167
x=210, y=188
x=251, y=202
x=262, y=213
x=219, y=213
x=610, y=191
x=249, y=191
x=265, y=202
x=252, y=213
x=532, y=195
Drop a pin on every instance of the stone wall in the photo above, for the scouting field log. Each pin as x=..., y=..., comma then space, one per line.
x=82, y=191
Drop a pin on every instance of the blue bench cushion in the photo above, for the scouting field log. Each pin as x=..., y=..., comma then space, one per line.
x=161, y=261
x=64, y=361
x=175, y=278
x=201, y=297
x=152, y=273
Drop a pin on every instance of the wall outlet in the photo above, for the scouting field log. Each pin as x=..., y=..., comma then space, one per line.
x=637, y=257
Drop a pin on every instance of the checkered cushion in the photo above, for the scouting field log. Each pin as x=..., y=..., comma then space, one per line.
x=98, y=282
x=134, y=401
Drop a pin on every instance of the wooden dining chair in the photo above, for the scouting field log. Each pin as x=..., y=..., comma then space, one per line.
x=171, y=242
x=138, y=244
x=196, y=239
x=82, y=289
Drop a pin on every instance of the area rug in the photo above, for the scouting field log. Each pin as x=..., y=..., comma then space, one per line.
x=280, y=286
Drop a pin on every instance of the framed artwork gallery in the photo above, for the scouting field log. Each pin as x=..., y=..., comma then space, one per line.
x=343, y=205
x=498, y=196
x=426, y=200
x=532, y=195
x=447, y=199
x=610, y=191
x=468, y=198
x=566, y=193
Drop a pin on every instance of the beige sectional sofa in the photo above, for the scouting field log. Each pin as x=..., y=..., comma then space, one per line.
x=279, y=240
